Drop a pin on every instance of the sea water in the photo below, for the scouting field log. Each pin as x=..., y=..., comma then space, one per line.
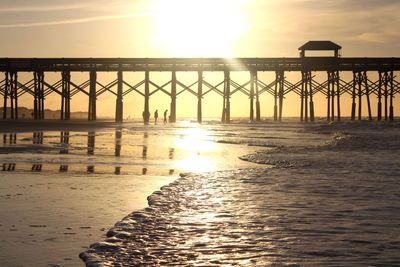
x=61, y=191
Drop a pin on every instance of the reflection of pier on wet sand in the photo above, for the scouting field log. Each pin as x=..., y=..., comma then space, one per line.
x=64, y=146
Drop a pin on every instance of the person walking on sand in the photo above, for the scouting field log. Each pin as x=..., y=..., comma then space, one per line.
x=165, y=116
x=155, y=116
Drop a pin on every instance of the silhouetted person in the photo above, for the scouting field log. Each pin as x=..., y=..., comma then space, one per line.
x=165, y=116
x=155, y=116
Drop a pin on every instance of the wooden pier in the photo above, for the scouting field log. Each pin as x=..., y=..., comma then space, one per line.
x=360, y=88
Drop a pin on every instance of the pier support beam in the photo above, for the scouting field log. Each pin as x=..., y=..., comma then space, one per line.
x=305, y=77
x=258, y=108
x=92, y=96
x=302, y=90
x=337, y=80
x=38, y=102
x=333, y=96
x=251, y=97
x=279, y=92
x=226, y=104
x=360, y=82
x=305, y=81
x=199, y=96
x=119, y=107
x=14, y=95
x=333, y=81
x=391, y=108
x=11, y=91
x=367, y=94
x=360, y=78
x=311, y=97
x=328, y=97
x=276, y=97
x=5, y=96
x=66, y=96
x=353, y=97
x=379, y=110
x=146, y=112
x=36, y=95
x=6, y=85
x=173, y=98
x=386, y=94
x=227, y=97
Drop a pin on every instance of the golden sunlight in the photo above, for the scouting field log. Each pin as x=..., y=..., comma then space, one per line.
x=194, y=28
x=195, y=140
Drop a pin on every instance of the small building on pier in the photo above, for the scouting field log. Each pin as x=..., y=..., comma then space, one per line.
x=320, y=46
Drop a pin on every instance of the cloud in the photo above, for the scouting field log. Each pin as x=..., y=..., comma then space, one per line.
x=19, y=9
x=73, y=21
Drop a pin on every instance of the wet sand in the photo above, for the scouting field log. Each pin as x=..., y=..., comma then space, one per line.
x=21, y=125
x=335, y=203
x=61, y=189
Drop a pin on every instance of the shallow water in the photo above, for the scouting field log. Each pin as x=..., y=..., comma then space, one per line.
x=61, y=191
x=334, y=203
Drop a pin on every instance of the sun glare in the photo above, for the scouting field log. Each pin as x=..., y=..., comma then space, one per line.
x=199, y=28
x=195, y=140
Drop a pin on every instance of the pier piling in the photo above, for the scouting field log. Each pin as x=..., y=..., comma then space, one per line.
x=379, y=110
x=258, y=107
x=199, y=96
x=328, y=97
x=251, y=97
x=119, y=108
x=311, y=97
x=173, y=97
x=337, y=80
x=66, y=96
x=367, y=94
x=360, y=82
x=391, y=109
x=146, y=112
x=227, y=96
x=276, y=97
x=92, y=96
x=353, y=97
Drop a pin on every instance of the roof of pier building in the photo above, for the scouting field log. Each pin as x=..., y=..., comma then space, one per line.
x=320, y=46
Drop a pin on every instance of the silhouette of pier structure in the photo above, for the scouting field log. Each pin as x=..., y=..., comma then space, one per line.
x=359, y=88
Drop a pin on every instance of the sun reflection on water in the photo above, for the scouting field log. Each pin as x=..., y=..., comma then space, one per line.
x=197, y=144
x=195, y=164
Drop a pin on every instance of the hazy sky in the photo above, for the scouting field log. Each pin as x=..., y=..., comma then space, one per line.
x=194, y=28
x=147, y=28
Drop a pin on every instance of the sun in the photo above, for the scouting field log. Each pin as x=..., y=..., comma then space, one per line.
x=199, y=28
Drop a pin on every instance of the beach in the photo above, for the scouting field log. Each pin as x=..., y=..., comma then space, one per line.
x=335, y=203
x=285, y=193
x=64, y=184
